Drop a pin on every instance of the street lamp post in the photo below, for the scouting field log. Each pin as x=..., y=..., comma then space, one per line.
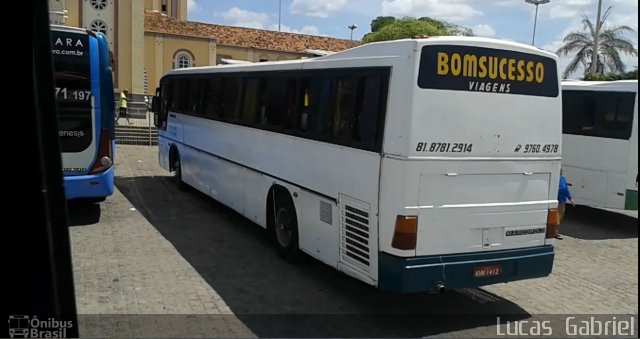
x=279, y=14
x=535, y=20
x=352, y=27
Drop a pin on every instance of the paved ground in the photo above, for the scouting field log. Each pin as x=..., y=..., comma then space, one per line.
x=203, y=270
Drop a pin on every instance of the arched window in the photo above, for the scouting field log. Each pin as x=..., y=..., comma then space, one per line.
x=98, y=26
x=182, y=60
x=99, y=4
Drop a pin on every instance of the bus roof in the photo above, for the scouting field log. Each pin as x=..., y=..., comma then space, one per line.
x=617, y=85
x=69, y=29
x=371, y=50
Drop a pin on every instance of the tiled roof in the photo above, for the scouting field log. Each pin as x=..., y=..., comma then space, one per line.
x=244, y=37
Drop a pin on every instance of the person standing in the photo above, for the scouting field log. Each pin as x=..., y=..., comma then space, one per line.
x=122, y=106
x=564, y=195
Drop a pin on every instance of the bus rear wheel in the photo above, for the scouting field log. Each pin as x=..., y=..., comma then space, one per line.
x=285, y=227
x=177, y=169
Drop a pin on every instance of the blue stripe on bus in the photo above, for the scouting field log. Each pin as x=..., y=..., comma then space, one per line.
x=420, y=274
x=94, y=62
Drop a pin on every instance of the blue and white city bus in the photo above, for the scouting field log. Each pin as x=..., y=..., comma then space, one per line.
x=411, y=165
x=85, y=99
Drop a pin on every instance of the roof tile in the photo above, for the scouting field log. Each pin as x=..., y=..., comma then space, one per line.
x=244, y=37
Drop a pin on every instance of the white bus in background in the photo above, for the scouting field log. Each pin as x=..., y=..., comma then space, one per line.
x=412, y=165
x=600, y=155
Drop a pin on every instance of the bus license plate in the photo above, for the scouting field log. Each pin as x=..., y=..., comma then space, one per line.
x=487, y=271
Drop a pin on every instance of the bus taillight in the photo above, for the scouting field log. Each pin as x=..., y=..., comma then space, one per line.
x=553, y=221
x=104, y=160
x=405, y=234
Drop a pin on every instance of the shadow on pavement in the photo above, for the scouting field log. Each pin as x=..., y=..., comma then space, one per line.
x=275, y=298
x=82, y=213
x=595, y=224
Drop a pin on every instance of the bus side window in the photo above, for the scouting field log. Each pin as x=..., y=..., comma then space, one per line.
x=344, y=108
x=192, y=106
x=212, y=104
x=290, y=104
x=368, y=111
x=304, y=114
x=316, y=117
x=278, y=102
x=253, y=97
x=175, y=94
x=232, y=99
x=588, y=118
x=615, y=114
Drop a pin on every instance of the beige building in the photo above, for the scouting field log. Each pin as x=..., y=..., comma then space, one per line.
x=150, y=37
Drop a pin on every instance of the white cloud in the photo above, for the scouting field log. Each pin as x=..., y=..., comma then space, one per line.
x=450, y=10
x=566, y=9
x=193, y=6
x=315, y=8
x=244, y=18
x=484, y=30
x=630, y=19
x=310, y=30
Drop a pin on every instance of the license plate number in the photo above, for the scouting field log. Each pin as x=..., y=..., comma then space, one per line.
x=487, y=271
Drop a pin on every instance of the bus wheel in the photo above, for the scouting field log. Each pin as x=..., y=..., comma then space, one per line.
x=177, y=168
x=285, y=227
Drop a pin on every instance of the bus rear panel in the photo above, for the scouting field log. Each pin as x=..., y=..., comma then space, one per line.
x=84, y=95
x=467, y=196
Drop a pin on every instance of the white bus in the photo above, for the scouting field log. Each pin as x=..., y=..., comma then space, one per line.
x=600, y=156
x=412, y=165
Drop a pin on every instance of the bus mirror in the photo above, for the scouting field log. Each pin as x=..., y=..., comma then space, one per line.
x=155, y=119
x=155, y=105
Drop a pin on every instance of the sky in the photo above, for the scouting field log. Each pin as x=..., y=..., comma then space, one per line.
x=502, y=19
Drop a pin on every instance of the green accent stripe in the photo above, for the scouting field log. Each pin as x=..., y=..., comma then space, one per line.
x=631, y=202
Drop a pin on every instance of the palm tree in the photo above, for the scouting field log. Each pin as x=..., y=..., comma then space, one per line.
x=609, y=46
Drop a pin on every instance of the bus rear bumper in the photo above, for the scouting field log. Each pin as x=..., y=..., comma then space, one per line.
x=89, y=186
x=421, y=274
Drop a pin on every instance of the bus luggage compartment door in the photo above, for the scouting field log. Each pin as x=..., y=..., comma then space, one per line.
x=481, y=212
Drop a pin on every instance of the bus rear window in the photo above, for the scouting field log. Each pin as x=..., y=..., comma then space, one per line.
x=478, y=69
x=72, y=76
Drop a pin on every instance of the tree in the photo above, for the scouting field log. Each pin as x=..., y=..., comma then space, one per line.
x=381, y=21
x=390, y=28
x=612, y=76
x=449, y=28
x=610, y=43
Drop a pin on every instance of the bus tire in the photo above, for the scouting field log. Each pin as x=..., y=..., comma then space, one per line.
x=285, y=226
x=177, y=170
